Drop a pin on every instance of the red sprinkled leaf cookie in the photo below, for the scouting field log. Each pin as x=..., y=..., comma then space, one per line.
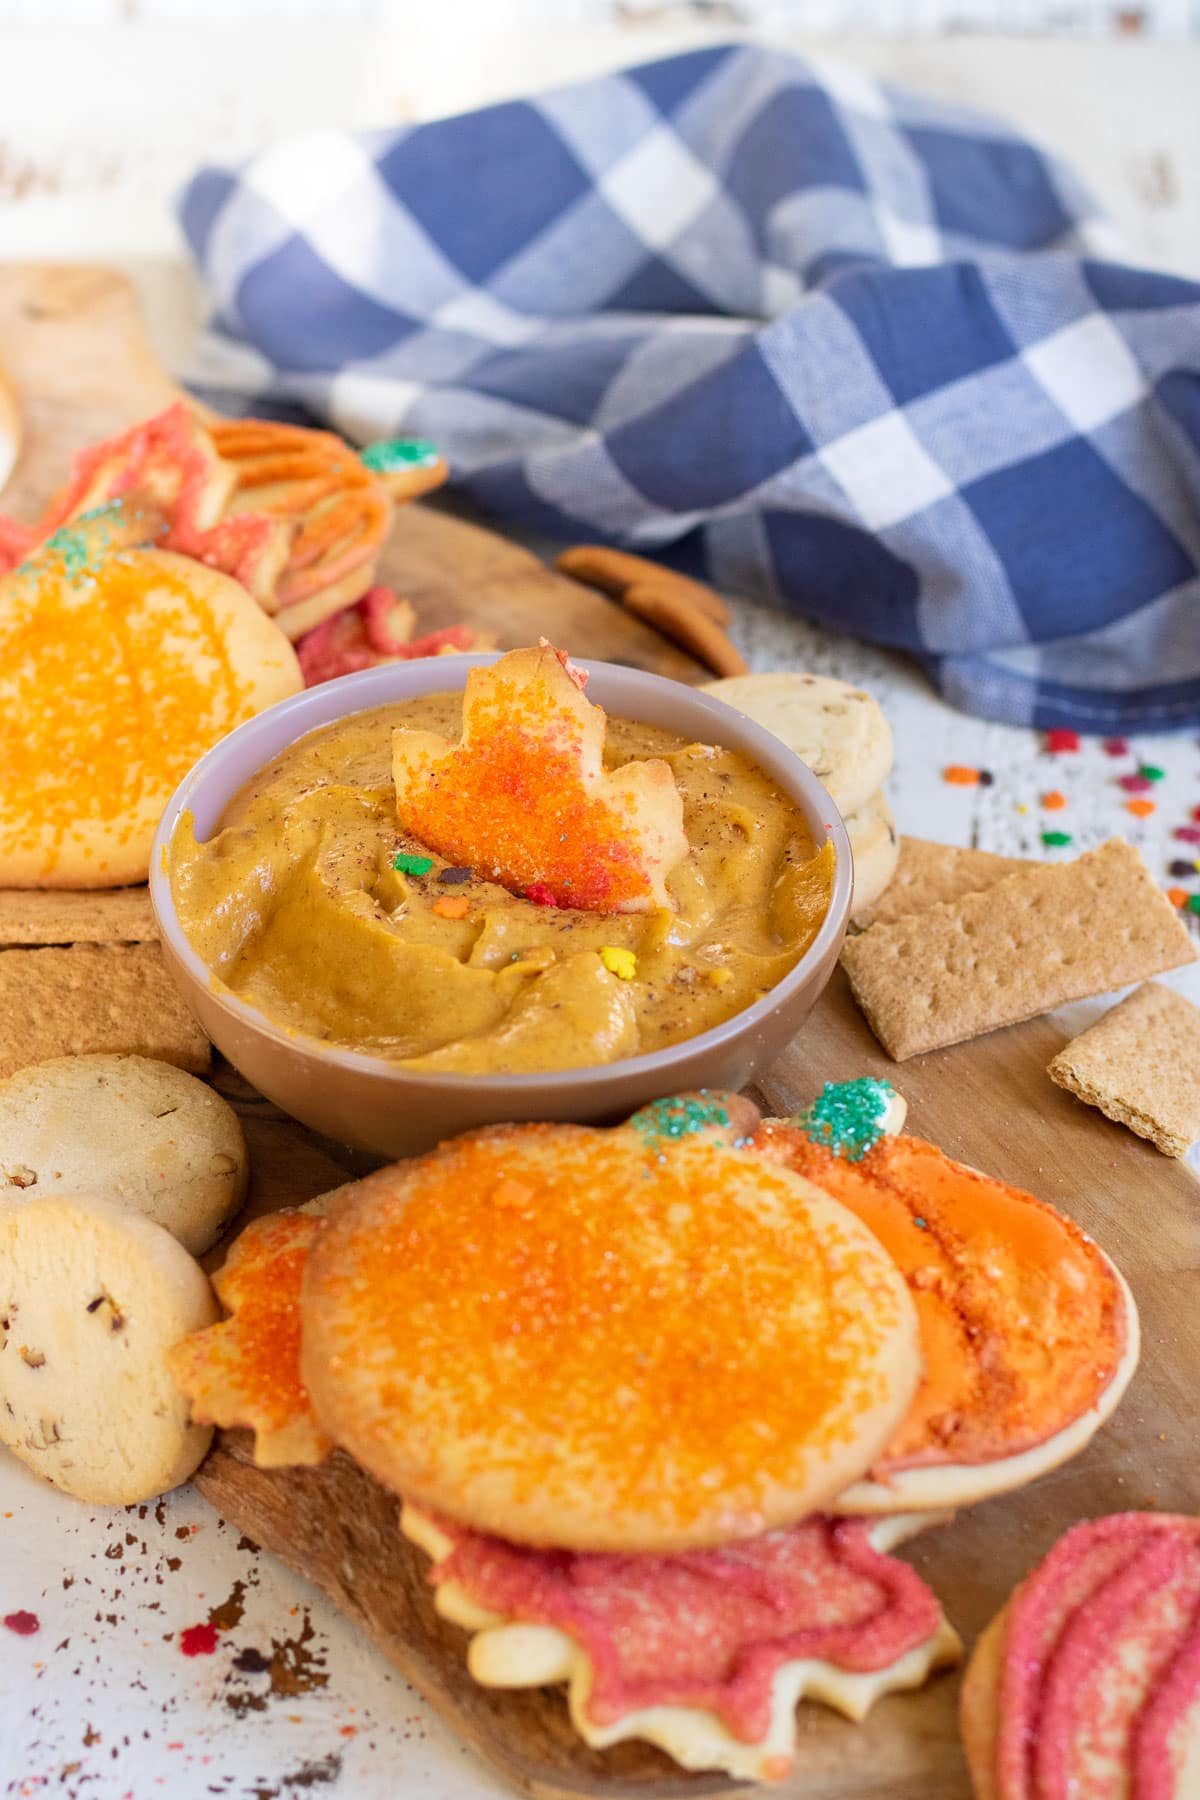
x=525, y=795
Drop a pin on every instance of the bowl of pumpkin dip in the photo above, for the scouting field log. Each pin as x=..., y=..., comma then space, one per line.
x=332, y=960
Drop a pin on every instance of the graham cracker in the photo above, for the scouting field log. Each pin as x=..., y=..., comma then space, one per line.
x=1051, y=933
x=1140, y=1064
x=104, y=916
x=89, y=997
x=928, y=873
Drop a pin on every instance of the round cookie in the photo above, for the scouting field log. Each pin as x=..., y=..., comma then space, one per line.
x=91, y=1299
x=574, y=1337
x=125, y=1128
x=875, y=845
x=838, y=730
x=117, y=673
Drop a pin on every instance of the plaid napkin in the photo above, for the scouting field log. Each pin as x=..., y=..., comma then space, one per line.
x=840, y=349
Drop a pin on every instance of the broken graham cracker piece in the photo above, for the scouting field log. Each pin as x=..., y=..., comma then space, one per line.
x=928, y=873
x=58, y=916
x=1051, y=933
x=89, y=997
x=1140, y=1064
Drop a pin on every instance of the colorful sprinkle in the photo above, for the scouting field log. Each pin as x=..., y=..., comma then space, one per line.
x=23, y=1623
x=1177, y=896
x=1194, y=903
x=1054, y=801
x=452, y=877
x=1151, y=772
x=986, y=778
x=959, y=775
x=848, y=1117
x=199, y=1640
x=1116, y=746
x=1188, y=834
x=399, y=453
x=540, y=894
x=1179, y=867
x=1141, y=809
x=1056, y=840
x=452, y=908
x=678, y=1116
x=412, y=865
x=1061, y=740
x=1134, y=784
x=618, y=962
x=1021, y=807
x=1195, y=812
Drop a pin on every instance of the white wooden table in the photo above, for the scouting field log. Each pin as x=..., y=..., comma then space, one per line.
x=97, y=129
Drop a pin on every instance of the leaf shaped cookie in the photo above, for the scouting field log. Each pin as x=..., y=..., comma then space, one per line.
x=246, y=1370
x=525, y=797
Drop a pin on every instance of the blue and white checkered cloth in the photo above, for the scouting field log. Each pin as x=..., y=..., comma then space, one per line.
x=851, y=352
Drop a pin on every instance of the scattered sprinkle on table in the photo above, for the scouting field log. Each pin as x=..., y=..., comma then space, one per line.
x=452, y=907
x=198, y=1640
x=1134, y=784
x=412, y=865
x=1179, y=867
x=1194, y=903
x=1054, y=801
x=1060, y=740
x=1055, y=840
x=22, y=1622
x=1117, y=746
x=1188, y=834
x=959, y=775
x=1178, y=896
x=1151, y=772
x=1141, y=809
x=619, y=962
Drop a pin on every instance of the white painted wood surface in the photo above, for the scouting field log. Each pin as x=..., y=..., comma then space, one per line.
x=98, y=127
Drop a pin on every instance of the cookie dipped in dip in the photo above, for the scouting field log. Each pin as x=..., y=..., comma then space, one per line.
x=503, y=880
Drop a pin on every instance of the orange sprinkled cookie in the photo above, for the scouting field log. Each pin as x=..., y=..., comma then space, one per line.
x=118, y=670
x=996, y=1276
x=525, y=795
x=574, y=1337
x=246, y=1370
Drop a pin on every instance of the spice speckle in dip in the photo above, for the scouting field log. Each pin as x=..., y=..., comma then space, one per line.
x=314, y=904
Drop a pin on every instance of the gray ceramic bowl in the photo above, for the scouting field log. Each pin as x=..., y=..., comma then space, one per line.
x=375, y=1105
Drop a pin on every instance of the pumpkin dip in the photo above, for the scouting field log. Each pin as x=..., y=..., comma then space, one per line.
x=296, y=904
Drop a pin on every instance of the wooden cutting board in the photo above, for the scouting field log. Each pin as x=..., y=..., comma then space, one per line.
x=73, y=340
x=989, y=1103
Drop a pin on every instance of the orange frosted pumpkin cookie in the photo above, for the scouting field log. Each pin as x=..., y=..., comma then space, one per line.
x=118, y=669
x=572, y=1336
x=1029, y=1333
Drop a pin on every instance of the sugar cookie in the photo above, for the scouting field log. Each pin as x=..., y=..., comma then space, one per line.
x=127, y=1129
x=91, y=1299
x=838, y=730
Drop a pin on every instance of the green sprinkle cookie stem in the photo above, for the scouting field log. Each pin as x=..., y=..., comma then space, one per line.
x=399, y=453
x=848, y=1117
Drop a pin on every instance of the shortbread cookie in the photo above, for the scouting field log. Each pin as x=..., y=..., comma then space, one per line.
x=995, y=1274
x=875, y=845
x=1088, y=1682
x=1053, y=933
x=928, y=873
x=91, y=1299
x=706, y=1654
x=838, y=730
x=97, y=916
x=525, y=796
x=94, y=997
x=558, y=1334
x=1140, y=1064
x=137, y=1132
x=117, y=673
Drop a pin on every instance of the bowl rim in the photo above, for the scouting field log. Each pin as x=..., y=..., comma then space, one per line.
x=367, y=688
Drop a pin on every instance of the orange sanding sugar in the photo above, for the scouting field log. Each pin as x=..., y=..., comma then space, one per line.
x=104, y=700
x=1141, y=809
x=996, y=1276
x=246, y=1370
x=566, y=1305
